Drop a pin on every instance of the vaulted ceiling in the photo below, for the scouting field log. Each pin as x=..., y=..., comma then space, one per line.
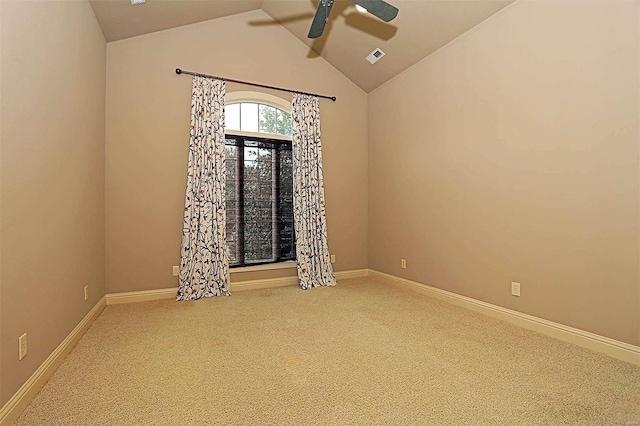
x=422, y=27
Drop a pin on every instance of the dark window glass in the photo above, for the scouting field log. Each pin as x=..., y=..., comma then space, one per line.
x=259, y=196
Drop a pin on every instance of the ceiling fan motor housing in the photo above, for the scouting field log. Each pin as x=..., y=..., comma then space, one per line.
x=378, y=8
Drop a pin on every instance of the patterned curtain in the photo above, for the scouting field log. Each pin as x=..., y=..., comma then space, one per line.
x=204, y=265
x=312, y=250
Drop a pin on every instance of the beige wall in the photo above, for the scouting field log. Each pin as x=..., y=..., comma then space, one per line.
x=511, y=154
x=147, y=138
x=52, y=177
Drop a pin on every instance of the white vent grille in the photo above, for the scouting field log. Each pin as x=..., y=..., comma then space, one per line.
x=375, y=56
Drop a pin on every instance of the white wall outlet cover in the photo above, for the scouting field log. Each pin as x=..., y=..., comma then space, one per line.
x=176, y=271
x=22, y=346
x=333, y=258
x=515, y=289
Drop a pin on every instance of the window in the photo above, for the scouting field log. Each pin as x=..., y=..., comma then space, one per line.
x=257, y=118
x=259, y=184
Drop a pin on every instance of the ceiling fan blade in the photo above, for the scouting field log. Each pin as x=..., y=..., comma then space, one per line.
x=320, y=18
x=378, y=8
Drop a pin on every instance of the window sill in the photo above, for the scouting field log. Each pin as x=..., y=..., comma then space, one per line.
x=289, y=264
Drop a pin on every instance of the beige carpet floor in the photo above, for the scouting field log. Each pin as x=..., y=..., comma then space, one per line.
x=363, y=352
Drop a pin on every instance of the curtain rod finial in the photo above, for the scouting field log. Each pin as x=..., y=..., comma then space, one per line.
x=178, y=71
x=333, y=98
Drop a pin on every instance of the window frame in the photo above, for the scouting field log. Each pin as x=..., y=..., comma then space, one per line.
x=283, y=105
x=240, y=144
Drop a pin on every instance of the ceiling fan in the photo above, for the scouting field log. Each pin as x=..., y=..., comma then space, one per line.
x=378, y=8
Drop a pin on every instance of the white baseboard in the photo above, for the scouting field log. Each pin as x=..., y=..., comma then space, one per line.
x=265, y=283
x=19, y=401
x=347, y=275
x=170, y=293
x=585, y=339
x=141, y=296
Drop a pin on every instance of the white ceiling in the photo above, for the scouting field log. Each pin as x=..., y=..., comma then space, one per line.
x=422, y=26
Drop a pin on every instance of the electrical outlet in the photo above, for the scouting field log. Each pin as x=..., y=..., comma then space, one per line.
x=515, y=289
x=86, y=292
x=333, y=258
x=176, y=271
x=403, y=263
x=22, y=346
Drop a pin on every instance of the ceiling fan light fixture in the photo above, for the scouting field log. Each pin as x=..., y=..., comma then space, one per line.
x=361, y=9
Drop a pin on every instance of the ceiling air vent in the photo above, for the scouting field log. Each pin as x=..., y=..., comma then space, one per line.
x=375, y=56
x=137, y=1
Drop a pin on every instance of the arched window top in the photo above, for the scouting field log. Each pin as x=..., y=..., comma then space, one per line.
x=254, y=112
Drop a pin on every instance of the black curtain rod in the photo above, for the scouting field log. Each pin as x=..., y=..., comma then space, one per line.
x=179, y=71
